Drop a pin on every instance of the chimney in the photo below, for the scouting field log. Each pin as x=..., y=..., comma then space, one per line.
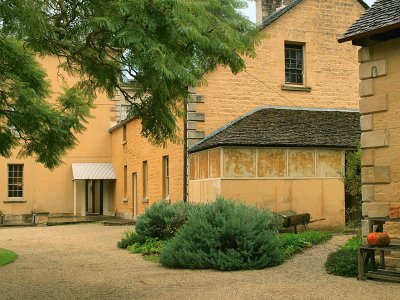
x=264, y=8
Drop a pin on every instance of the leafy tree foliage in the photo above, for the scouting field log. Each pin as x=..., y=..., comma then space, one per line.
x=27, y=119
x=162, y=46
x=352, y=176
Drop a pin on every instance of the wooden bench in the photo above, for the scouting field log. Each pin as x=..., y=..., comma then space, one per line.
x=367, y=256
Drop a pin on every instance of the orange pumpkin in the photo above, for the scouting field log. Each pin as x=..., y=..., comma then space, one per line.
x=378, y=239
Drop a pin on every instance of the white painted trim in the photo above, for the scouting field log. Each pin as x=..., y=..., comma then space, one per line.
x=75, y=199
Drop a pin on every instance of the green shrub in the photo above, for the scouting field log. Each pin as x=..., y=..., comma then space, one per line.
x=294, y=243
x=150, y=247
x=343, y=262
x=353, y=243
x=162, y=220
x=224, y=235
x=7, y=257
x=130, y=238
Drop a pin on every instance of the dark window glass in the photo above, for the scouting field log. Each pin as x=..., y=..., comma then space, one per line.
x=15, y=181
x=294, y=64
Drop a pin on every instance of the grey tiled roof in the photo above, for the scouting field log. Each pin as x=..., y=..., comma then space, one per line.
x=277, y=14
x=383, y=13
x=288, y=127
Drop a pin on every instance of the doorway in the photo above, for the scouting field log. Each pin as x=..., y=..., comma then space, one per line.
x=94, y=193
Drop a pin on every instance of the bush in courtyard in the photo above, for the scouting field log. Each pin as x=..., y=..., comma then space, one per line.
x=225, y=235
x=343, y=262
x=150, y=247
x=162, y=220
x=130, y=238
x=294, y=243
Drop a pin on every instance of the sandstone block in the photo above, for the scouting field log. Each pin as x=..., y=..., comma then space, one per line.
x=366, y=123
x=192, y=89
x=392, y=262
x=191, y=125
x=364, y=227
x=366, y=88
x=193, y=134
x=195, y=116
x=197, y=98
x=192, y=142
x=375, y=139
x=377, y=174
x=373, y=69
x=191, y=107
x=373, y=104
x=367, y=191
x=367, y=157
x=375, y=209
x=364, y=54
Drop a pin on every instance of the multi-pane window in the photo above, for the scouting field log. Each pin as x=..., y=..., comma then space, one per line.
x=15, y=180
x=125, y=182
x=166, y=177
x=294, y=64
x=145, y=181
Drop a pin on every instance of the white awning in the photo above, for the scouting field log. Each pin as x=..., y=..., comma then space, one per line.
x=92, y=171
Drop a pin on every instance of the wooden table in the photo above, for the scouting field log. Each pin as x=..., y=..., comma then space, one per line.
x=367, y=254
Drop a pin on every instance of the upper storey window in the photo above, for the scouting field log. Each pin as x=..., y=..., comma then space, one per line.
x=294, y=64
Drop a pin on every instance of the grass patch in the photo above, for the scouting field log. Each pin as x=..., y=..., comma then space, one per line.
x=343, y=262
x=7, y=257
x=295, y=243
x=153, y=258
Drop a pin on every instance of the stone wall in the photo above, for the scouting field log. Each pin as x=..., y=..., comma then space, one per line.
x=131, y=153
x=380, y=140
x=331, y=77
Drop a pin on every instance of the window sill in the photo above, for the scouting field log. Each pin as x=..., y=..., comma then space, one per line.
x=297, y=88
x=124, y=143
x=145, y=200
x=15, y=201
x=125, y=199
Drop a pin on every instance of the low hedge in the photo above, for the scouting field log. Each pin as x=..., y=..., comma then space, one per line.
x=343, y=262
x=294, y=243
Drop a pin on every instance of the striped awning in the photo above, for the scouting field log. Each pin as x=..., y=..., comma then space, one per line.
x=82, y=171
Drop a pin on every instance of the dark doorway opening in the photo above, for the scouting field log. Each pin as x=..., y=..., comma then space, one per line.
x=94, y=194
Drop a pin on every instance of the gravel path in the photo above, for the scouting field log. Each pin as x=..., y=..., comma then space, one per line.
x=82, y=262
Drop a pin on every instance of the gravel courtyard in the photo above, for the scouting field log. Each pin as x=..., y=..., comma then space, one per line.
x=83, y=262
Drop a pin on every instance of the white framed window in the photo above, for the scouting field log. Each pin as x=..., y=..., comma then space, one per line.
x=15, y=181
x=145, y=182
x=165, y=177
x=294, y=63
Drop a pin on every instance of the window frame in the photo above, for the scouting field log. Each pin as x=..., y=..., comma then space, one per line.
x=20, y=193
x=295, y=47
x=125, y=198
x=145, y=175
x=166, y=177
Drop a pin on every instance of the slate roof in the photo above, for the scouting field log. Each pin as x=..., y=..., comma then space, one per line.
x=382, y=16
x=277, y=14
x=288, y=127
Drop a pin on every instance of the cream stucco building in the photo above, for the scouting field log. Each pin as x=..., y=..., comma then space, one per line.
x=114, y=170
